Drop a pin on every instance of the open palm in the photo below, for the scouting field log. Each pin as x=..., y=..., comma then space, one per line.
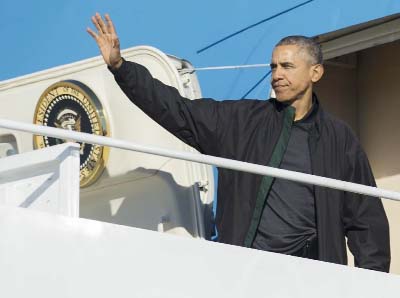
x=107, y=40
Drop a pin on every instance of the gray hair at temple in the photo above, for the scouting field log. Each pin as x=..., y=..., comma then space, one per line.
x=312, y=48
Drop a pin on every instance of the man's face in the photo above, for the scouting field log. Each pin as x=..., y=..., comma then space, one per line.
x=292, y=72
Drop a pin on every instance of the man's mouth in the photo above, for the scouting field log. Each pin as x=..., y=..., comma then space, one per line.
x=279, y=87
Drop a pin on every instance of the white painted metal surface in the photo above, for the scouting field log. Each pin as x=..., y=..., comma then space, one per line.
x=367, y=37
x=45, y=180
x=46, y=256
x=135, y=189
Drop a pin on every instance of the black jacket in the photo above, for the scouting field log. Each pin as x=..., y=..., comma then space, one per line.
x=248, y=130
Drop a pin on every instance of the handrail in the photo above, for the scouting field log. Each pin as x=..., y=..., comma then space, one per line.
x=202, y=158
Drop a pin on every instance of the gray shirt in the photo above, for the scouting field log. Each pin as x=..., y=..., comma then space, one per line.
x=288, y=218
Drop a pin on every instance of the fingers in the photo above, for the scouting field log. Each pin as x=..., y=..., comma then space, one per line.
x=110, y=25
x=97, y=25
x=92, y=33
x=100, y=22
x=104, y=30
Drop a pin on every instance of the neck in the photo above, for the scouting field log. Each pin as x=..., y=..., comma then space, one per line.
x=302, y=106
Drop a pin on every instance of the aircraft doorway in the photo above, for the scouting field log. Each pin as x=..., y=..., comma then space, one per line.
x=361, y=86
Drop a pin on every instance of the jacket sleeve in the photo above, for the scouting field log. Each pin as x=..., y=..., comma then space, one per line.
x=365, y=222
x=195, y=122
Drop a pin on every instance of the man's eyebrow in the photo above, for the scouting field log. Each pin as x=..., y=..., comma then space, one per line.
x=273, y=65
x=287, y=64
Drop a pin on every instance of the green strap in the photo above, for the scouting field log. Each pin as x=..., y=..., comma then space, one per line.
x=266, y=182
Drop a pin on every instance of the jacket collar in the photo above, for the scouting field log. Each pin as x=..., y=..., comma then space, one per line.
x=316, y=113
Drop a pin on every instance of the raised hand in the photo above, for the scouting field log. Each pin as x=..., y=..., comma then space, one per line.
x=107, y=40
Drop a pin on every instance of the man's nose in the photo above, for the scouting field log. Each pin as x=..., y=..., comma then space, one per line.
x=277, y=73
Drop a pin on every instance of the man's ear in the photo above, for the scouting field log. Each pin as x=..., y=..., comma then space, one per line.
x=317, y=71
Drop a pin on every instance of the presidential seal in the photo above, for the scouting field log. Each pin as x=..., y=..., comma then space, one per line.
x=72, y=105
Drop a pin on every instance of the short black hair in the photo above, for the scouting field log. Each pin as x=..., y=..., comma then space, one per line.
x=312, y=48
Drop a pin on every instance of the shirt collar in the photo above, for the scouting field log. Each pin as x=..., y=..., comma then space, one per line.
x=315, y=115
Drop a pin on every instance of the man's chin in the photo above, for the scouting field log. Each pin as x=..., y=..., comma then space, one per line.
x=283, y=99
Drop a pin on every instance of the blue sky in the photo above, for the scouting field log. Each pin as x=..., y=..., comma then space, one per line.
x=40, y=34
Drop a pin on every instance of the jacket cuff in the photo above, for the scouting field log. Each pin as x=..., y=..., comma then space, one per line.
x=121, y=71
